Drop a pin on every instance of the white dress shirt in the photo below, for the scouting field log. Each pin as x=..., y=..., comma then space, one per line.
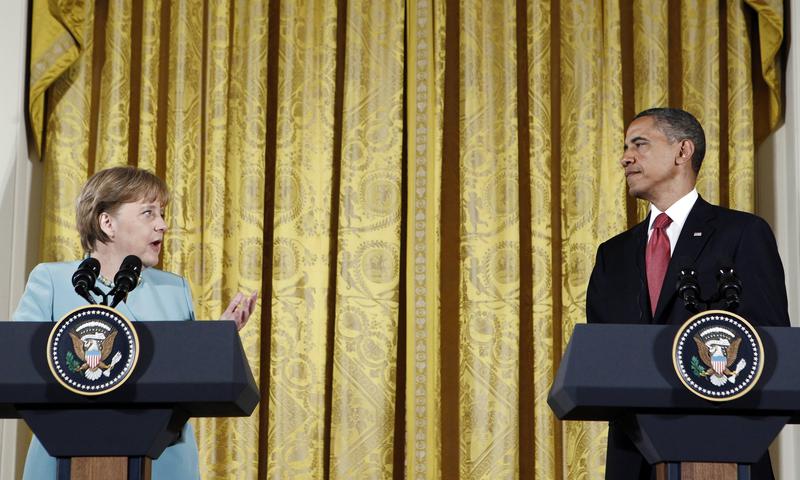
x=678, y=212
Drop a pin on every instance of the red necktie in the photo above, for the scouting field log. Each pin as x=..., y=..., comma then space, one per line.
x=657, y=258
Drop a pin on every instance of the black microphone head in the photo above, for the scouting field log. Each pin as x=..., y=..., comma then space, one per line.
x=128, y=275
x=687, y=275
x=725, y=267
x=729, y=287
x=729, y=283
x=131, y=262
x=86, y=274
x=726, y=275
x=687, y=286
x=685, y=264
x=92, y=264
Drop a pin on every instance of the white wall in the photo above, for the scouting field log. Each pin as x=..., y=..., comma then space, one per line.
x=17, y=172
x=19, y=205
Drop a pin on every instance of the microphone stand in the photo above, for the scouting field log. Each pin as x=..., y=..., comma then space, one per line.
x=730, y=287
x=689, y=289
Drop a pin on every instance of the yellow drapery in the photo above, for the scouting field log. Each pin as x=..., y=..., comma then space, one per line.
x=416, y=187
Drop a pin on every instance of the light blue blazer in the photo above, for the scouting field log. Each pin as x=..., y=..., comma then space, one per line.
x=160, y=296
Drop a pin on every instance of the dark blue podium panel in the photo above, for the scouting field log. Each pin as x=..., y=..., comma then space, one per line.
x=611, y=370
x=185, y=369
x=625, y=374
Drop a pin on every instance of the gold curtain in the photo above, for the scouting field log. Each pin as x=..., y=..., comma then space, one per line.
x=417, y=188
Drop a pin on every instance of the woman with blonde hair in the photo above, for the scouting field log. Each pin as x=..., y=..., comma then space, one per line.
x=120, y=212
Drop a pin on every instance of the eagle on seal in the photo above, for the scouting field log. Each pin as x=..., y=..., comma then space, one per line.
x=718, y=355
x=93, y=350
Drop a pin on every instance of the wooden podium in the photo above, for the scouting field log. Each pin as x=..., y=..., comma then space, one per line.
x=185, y=370
x=624, y=373
x=696, y=470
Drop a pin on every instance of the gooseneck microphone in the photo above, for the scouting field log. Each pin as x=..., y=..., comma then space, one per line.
x=126, y=279
x=729, y=287
x=689, y=289
x=84, y=278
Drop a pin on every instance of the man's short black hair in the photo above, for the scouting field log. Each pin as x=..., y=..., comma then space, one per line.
x=679, y=125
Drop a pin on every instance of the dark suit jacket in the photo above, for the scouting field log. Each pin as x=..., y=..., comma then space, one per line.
x=712, y=237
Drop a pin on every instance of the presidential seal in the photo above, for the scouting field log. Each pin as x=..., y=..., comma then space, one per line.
x=718, y=355
x=92, y=350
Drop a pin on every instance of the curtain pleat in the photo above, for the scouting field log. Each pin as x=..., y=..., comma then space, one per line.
x=228, y=258
x=489, y=284
x=418, y=188
x=424, y=97
x=219, y=110
x=770, y=34
x=66, y=148
x=368, y=257
x=592, y=192
x=741, y=148
x=114, y=109
x=149, y=84
x=301, y=246
x=60, y=36
x=547, y=447
x=650, y=53
x=701, y=87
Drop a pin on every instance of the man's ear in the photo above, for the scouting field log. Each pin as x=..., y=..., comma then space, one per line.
x=686, y=151
x=106, y=224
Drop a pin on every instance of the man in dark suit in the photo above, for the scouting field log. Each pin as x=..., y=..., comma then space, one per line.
x=635, y=273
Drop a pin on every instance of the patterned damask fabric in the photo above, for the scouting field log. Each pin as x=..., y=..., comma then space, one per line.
x=350, y=316
x=489, y=294
x=369, y=243
x=55, y=46
x=302, y=235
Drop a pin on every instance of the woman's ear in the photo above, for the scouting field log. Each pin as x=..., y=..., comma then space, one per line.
x=107, y=224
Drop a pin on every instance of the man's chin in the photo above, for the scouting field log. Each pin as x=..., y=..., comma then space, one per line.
x=636, y=193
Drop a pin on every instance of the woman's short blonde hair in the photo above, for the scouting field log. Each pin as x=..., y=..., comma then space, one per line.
x=106, y=190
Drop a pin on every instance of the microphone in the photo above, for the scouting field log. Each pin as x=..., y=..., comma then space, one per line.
x=689, y=288
x=729, y=287
x=84, y=277
x=126, y=279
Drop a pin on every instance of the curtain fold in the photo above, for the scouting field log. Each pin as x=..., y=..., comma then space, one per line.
x=303, y=228
x=423, y=129
x=543, y=157
x=417, y=188
x=365, y=338
x=58, y=37
x=489, y=250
